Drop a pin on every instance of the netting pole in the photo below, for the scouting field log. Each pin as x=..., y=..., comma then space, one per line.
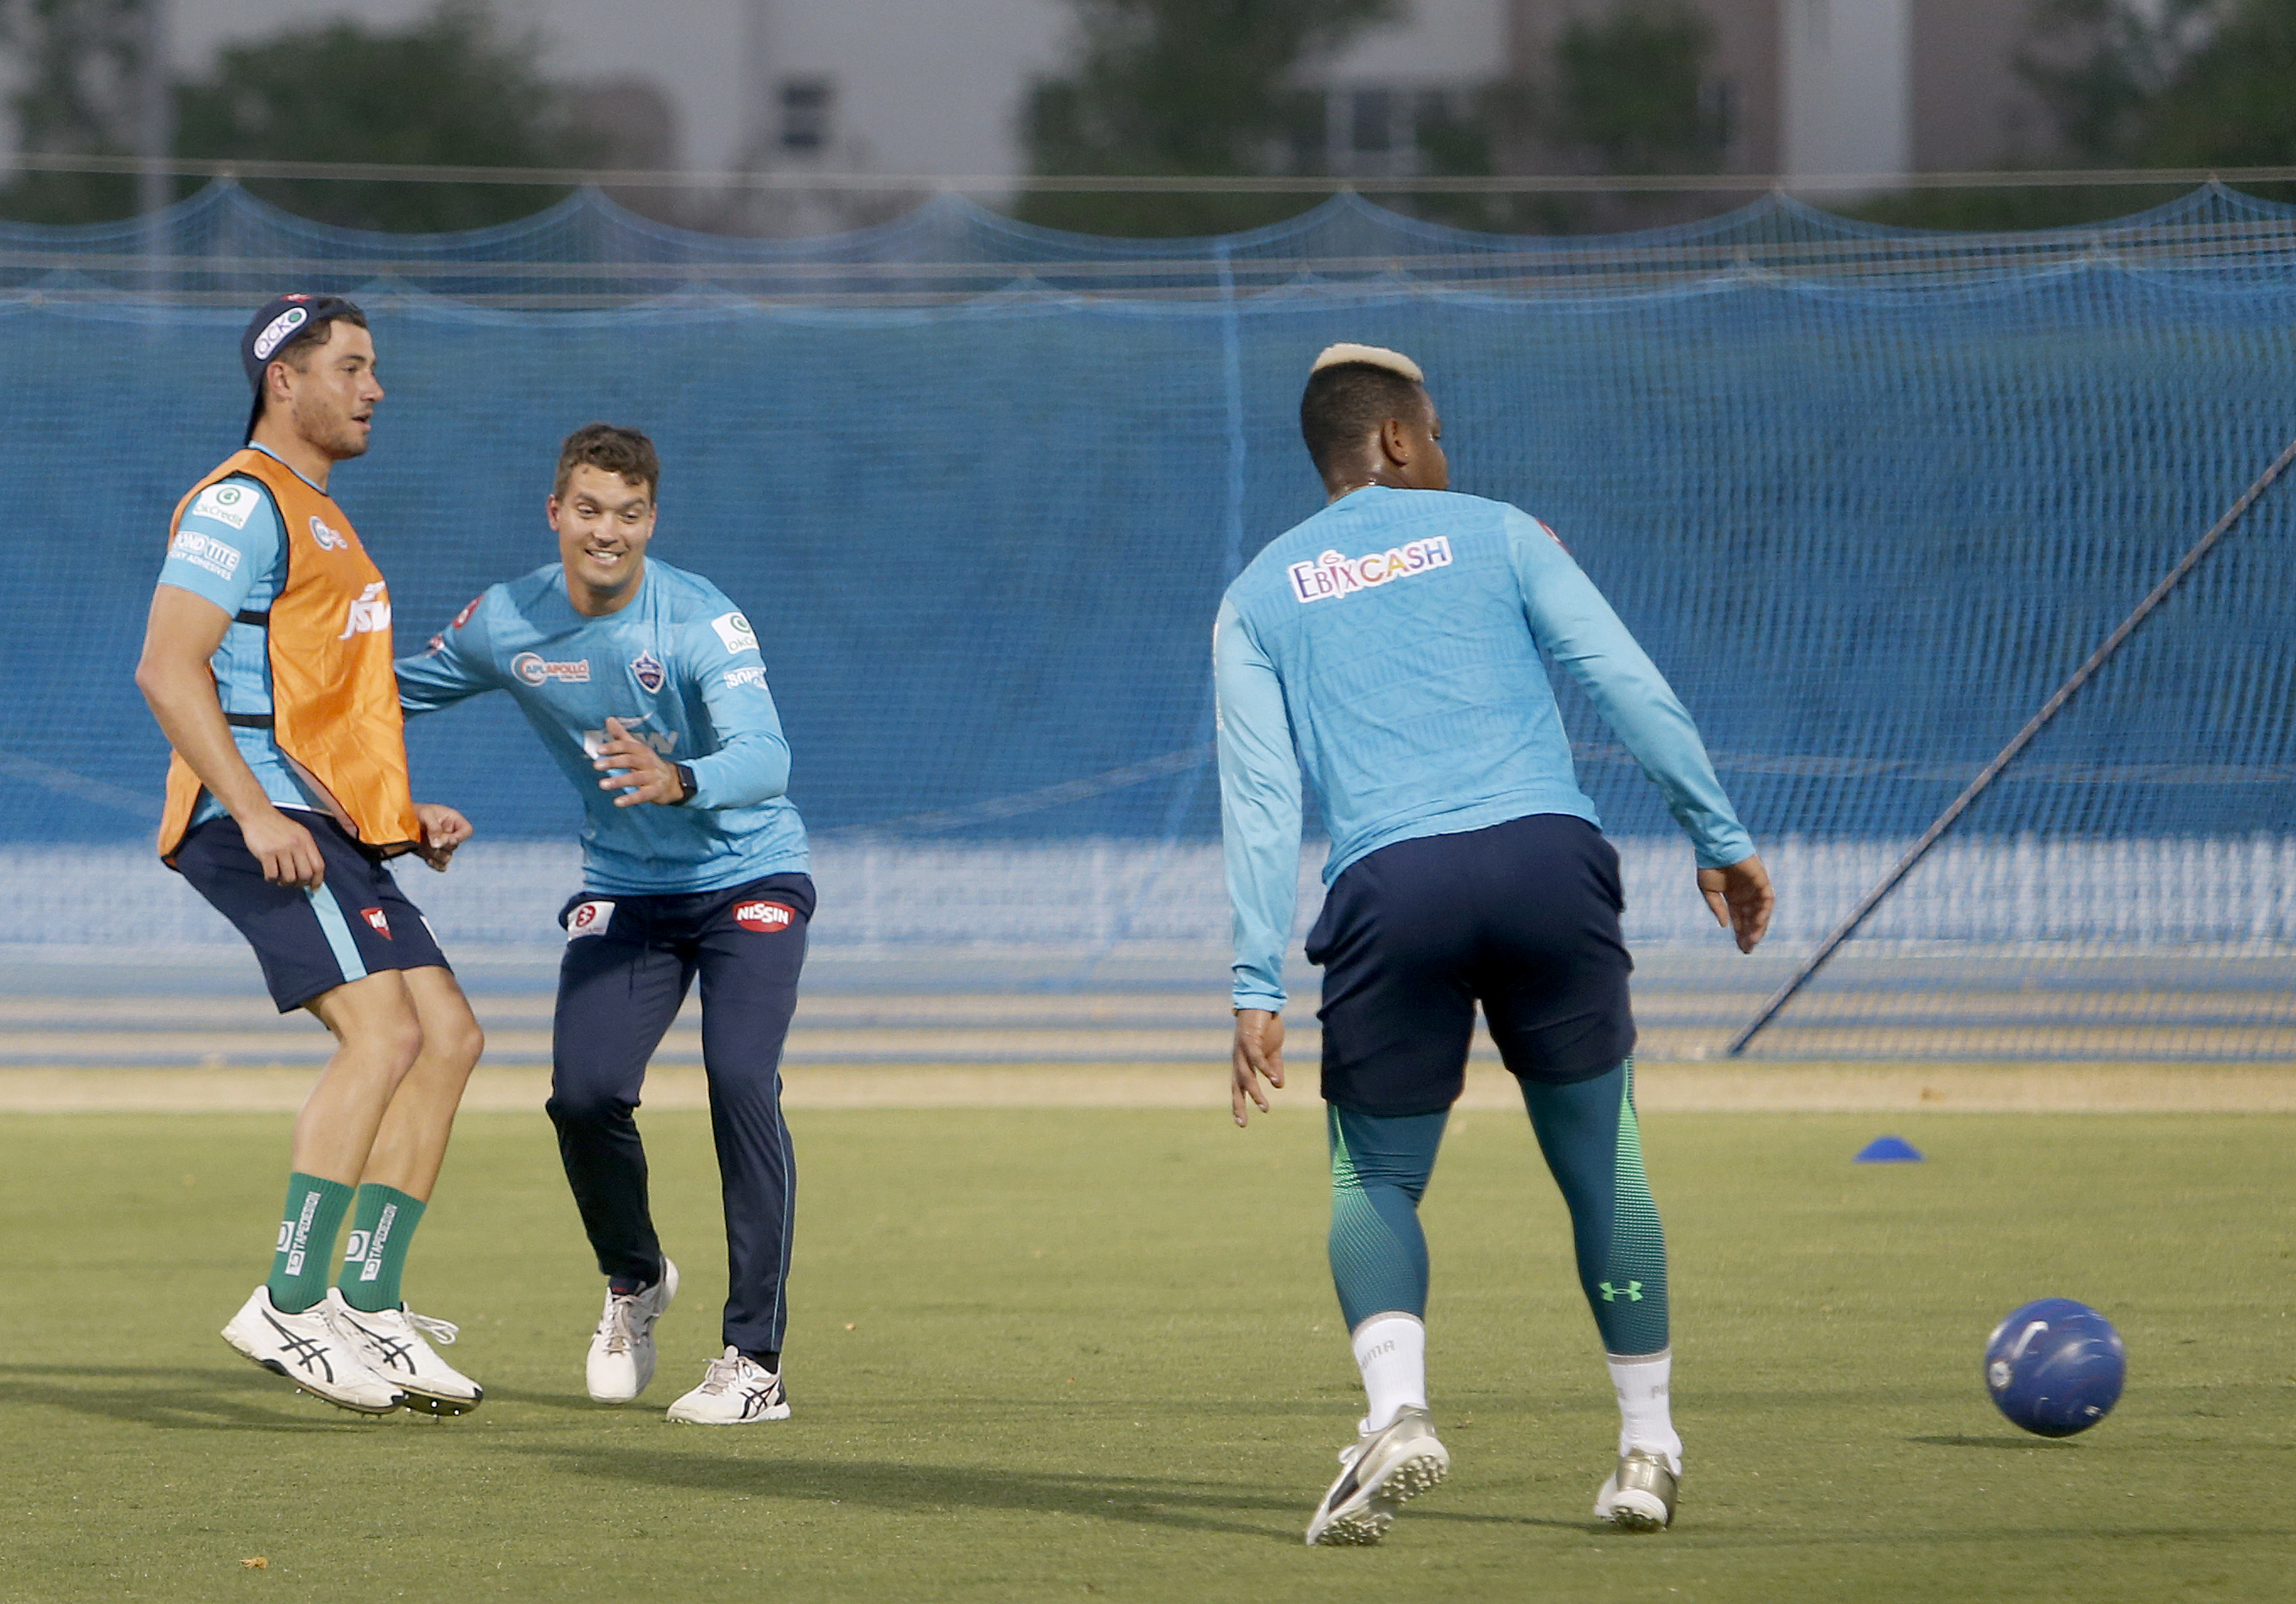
x=2008, y=754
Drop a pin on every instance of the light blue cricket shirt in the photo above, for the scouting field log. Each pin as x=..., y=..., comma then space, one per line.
x=679, y=667
x=1390, y=645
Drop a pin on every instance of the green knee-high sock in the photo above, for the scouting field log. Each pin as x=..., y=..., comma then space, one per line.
x=1380, y=1168
x=307, y=1241
x=1593, y=1144
x=381, y=1227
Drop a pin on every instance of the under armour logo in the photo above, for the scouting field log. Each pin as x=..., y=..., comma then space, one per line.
x=1632, y=1292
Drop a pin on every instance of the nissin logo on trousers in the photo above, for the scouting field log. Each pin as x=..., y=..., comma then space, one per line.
x=1331, y=574
x=764, y=918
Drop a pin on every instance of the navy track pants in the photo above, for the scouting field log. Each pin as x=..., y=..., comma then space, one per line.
x=629, y=962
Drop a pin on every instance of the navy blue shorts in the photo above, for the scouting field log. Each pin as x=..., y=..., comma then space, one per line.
x=1522, y=916
x=357, y=923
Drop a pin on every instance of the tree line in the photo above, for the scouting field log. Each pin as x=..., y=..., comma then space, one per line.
x=1196, y=88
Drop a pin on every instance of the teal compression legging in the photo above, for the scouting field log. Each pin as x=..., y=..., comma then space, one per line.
x=1593, y=1144
x=1380, y=1167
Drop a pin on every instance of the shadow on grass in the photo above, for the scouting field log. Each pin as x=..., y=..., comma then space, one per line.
x=1178, y=1502
x=578, y=1403
x=1962, y=1440
x=178, y=1398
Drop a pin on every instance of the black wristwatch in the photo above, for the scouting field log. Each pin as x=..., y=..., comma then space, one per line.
x=685, y=778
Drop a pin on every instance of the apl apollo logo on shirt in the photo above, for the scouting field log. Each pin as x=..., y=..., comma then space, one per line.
x=1333, y=575
x=534, y=668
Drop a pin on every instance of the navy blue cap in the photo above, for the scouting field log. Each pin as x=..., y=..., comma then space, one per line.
x=279, y=320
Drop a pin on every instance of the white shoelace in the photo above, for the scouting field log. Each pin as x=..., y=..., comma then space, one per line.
x=444, y=1330
x=726, y=1373
x=621, y=1308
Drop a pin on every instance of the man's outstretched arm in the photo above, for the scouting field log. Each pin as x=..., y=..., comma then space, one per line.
x=455, y=666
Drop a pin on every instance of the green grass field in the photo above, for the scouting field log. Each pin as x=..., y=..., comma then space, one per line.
x=1067, y=1354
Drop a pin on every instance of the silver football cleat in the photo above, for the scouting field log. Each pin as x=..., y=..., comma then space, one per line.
x=1381, y=1472
x=1640, y=1494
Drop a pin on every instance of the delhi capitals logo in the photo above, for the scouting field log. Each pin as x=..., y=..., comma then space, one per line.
x=649, y=672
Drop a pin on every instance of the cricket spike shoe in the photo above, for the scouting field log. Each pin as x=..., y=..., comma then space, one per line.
x=1381, y=1472
x=392, y=1342
x=309, y=1350
x=621, y=1349
x=737, y=1391
x=1639, y=1495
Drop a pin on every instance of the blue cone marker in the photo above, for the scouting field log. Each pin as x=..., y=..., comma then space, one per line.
x=1889, y=1150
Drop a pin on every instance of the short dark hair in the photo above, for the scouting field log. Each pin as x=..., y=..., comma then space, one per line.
x=617, y=450
x=1344, y=403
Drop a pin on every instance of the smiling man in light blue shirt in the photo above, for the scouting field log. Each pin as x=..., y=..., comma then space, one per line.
x=694, y=863
x=1395, y=647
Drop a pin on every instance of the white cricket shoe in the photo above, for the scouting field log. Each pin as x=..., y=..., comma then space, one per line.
x=737, y=1390
x=392, y=1343
x=1381, y=1472
x=621, y=1350
x=309, y=1350
x=1639, y=1495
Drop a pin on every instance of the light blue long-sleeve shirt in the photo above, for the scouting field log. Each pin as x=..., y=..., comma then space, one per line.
x=679, y=667
x=1390, y=645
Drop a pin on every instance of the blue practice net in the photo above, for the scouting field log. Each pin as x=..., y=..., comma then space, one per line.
x=1866, y=495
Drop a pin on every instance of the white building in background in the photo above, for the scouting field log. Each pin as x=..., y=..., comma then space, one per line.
x=935, y=88
x=1846, y=69
x=1827, y=88
x=931, y=87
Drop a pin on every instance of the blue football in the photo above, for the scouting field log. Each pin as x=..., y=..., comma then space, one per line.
x=2054, y=1367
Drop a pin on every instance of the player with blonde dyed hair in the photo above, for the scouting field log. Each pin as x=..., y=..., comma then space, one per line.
x=1395, y=646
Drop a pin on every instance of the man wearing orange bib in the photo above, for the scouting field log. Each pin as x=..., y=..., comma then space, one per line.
x=267, y=661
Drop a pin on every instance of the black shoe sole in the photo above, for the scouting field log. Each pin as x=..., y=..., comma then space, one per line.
x=281, y=1371
x=431, y=1403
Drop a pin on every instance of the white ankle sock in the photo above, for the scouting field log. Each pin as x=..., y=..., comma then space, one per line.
x=1645, y=1421
x=1392, y=1352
